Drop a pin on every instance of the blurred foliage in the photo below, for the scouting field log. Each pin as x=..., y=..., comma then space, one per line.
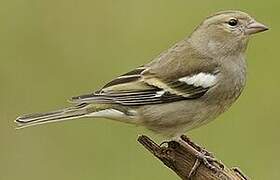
x=51, y=50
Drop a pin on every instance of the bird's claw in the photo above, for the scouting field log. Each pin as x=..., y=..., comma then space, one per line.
x=163, y=143
x=196, y=146
x=208, y=161
x=202, y=156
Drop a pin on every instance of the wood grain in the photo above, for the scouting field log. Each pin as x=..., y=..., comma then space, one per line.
x=181, y=159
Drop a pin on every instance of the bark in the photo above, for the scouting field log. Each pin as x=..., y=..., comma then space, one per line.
x=181, y=159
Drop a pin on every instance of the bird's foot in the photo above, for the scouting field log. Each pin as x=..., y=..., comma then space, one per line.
x=196, y=146
x=209, y=162
x=202, y=156
x=164, y=143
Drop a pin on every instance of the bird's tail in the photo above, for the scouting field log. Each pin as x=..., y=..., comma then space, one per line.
x=74, y=112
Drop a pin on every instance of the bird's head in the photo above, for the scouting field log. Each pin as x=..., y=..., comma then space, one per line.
x=226, y=32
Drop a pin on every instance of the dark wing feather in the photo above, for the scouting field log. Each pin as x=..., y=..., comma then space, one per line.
x=147, y=97
x=131, y=76
x=153, y=95
x=139, y=87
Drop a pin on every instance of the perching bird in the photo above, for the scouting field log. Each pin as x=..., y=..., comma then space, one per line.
x=186, y=86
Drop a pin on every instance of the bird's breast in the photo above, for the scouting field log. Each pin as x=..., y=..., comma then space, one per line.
x=232, y=80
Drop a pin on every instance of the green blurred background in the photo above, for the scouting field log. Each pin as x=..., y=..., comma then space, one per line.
x=51, y=50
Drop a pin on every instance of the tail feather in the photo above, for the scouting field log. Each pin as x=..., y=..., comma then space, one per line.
x=53, y=116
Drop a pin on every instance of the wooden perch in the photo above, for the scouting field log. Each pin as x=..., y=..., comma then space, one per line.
x=181, y=160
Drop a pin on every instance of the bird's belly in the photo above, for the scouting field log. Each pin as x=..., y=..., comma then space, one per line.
x=175, y=118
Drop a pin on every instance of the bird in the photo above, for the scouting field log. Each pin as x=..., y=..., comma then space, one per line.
x=184, y=87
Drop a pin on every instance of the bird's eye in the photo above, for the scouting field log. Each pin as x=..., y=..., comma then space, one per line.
x=233, y=22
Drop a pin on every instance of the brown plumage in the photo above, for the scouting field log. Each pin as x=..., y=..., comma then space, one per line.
x=185, y=87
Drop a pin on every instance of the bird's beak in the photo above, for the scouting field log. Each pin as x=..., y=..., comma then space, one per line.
x=255, y=27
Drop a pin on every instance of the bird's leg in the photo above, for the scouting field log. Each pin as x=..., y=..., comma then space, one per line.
x=196, y=146
x=202, y=156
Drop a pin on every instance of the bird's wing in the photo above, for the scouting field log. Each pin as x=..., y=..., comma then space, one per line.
x=180, y=73
x=143, y=87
